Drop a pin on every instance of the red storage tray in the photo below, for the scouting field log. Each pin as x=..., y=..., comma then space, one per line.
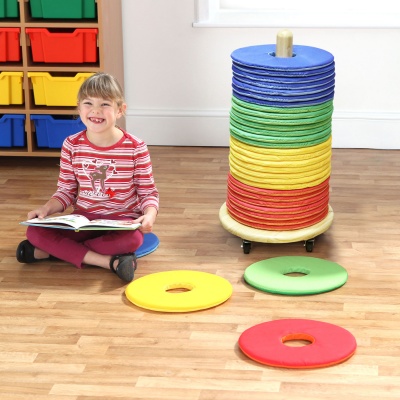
x=63, y=45
x=10, y=49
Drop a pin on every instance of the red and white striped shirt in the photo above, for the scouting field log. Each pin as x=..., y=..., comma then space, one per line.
x=115, y=181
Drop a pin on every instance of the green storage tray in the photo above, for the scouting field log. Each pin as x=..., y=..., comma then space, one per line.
x=9, y=9
x=56, y=9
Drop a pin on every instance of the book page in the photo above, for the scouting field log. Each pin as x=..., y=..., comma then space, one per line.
x=74, y=220
x=79, y=222
x=113, y=223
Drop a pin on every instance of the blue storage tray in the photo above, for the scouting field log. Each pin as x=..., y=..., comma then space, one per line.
x=51, y=131
x=12, y=130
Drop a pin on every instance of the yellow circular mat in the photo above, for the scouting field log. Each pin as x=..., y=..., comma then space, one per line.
x=178, y=291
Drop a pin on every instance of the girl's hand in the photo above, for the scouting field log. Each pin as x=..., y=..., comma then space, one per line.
x=39, y=213
x=147, y=220
x=51, y=207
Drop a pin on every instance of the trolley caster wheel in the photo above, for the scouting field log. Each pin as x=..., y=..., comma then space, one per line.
x=246, y=246
x=309, y=244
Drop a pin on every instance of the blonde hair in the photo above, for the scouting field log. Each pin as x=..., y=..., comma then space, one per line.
x=104, y=86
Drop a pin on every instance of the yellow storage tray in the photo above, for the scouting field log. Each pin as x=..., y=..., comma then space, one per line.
x=11, y=88
x=56, y=90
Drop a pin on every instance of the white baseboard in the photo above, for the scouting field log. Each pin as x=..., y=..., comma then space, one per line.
x=366, y=130
x=180, y=128
x=211, y=128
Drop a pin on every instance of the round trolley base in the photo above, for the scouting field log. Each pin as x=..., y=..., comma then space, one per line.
x=249, y=234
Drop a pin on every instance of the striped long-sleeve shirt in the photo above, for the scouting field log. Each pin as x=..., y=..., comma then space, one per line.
x=115, y=181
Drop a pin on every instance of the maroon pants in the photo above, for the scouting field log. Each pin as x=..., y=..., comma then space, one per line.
x=71, y=246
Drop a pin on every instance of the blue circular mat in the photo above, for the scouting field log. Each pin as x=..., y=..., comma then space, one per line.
x=150, y=244
x=306, y=78
x=305, y=59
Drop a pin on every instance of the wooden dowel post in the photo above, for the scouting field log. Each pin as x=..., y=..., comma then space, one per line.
x=284, y=44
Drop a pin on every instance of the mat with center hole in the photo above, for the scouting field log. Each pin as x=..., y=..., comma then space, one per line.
x=150, y=244
x=329, y=344
x=178, y=291
x=316, y=275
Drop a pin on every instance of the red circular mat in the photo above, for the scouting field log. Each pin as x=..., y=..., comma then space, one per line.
x=268, y=209
x=277, y=198
x=265, y=343
x=284, y=223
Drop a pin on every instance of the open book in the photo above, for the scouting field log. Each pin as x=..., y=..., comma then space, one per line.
x=80, y=223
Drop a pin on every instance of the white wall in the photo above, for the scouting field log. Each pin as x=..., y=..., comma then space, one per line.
x=178, y=78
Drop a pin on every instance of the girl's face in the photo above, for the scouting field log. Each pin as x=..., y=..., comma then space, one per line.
x=99, y=115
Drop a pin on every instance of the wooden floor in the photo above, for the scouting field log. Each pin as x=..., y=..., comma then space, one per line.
x=70, y=334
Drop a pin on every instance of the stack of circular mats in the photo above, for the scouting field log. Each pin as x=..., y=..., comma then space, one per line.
x=280, y=137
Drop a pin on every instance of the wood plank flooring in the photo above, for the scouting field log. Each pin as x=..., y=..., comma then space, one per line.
x=69, y=334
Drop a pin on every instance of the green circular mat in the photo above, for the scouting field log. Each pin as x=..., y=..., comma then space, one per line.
x=280, y=128
x=319, y=275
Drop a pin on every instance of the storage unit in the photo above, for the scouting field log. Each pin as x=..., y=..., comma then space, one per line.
x=12, y=133
x=9, y=9
x=49, y=46
x=11, y=88
x=10, y=49
x=63, y=9
x=60, y=43
x=52, y=130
